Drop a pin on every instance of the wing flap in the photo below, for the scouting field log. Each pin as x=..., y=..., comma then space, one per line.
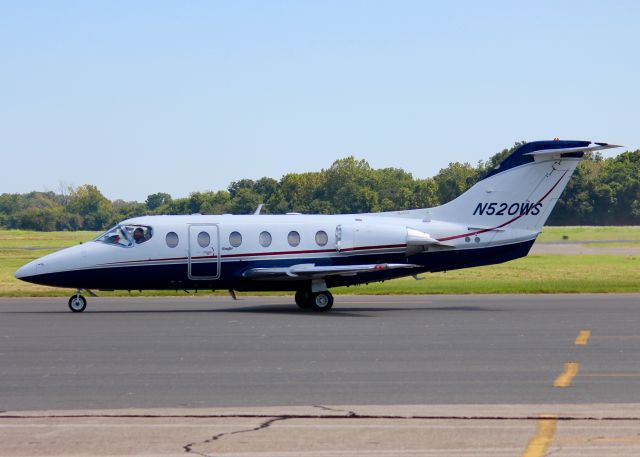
x=307, y=271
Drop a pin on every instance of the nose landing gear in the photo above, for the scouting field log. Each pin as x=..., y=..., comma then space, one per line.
x=77, y=303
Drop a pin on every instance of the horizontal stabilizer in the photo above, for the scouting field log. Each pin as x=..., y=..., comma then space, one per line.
x=551, y=151
x=311, y=271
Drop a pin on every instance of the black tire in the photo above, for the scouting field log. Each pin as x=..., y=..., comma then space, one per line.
x=303, y=299
x=321, y=301
x=77, y=303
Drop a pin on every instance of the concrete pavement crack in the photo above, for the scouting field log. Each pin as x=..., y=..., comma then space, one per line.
x=349, y=415
x=326, y=408
x=554, y=451
x=188, y=448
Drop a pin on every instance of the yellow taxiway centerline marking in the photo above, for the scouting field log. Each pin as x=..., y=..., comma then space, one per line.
x=545, y=431
x=583, y=337
x=565, y=378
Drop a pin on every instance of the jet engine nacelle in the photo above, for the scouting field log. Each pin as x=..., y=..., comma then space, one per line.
x=355, y=238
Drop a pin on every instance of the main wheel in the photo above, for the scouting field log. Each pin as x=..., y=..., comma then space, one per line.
x=77, y=303
x=321, y=301
x=303, y=299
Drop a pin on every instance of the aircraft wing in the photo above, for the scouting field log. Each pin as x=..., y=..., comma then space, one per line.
x=306, y=271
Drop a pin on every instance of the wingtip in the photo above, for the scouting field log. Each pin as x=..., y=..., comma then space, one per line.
x=608, y=146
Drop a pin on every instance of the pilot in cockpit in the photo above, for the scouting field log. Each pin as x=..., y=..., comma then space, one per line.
x=138, y=235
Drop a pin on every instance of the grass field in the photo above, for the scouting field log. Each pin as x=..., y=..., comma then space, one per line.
x=11, y=239
x=605, y=233
x=532, y=274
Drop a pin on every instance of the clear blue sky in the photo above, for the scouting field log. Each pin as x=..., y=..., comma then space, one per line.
x=140, y=97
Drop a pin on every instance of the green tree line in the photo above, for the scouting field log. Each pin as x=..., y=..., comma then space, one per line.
x=601, y=192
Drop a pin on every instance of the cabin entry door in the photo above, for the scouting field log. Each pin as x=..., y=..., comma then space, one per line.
x=204, y=251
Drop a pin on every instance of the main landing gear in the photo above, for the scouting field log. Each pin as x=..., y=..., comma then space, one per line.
x=77, y=303
x=318, y=301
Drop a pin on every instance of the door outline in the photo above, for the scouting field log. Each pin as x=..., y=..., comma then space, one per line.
x=216, y=247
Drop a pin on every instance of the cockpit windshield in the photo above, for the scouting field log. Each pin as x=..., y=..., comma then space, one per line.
x=126, y=235
x=115, y=236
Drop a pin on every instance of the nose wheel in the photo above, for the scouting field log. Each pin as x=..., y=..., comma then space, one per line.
x=77, y=303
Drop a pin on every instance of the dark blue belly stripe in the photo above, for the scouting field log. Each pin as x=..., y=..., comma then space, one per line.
x=174, y=276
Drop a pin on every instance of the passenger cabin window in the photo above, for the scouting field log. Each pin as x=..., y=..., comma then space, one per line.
x=235, y=239
x=139, y=233
x=172, y=239
x=322, y=238
x=204, y=239
x=265, y=239
x=293, y=238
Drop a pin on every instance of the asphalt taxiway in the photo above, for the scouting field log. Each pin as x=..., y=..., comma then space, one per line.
x=262, y=375
x=263, y=351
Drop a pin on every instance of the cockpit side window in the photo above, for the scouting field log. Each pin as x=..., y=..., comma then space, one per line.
x=115, y=236
x=139, y=233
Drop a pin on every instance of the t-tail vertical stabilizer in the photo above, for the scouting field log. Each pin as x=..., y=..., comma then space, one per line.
x=521, y=192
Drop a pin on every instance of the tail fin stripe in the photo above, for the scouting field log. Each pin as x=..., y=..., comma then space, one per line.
x=447, y=238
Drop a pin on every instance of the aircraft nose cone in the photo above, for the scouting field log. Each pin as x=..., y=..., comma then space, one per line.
x=25, y=271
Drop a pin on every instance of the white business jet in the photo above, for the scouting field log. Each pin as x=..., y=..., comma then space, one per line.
x=496, y=220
